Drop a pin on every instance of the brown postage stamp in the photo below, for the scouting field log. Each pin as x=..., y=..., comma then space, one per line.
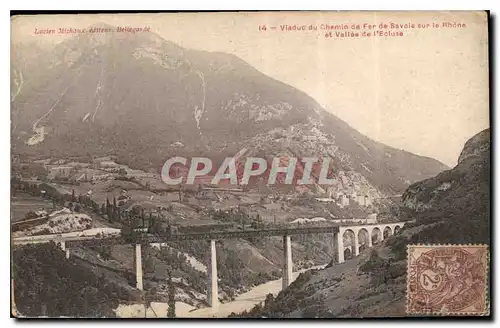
x=447, y=280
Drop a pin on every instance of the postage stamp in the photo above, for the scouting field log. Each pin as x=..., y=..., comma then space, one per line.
x=447, y=280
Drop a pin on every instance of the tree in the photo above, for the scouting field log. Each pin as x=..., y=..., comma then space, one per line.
x=109, y=210
x=30, y=215
x=73, y=198
x=153, y=224
x=116, y=214
x=260, y=221
x=105, y=252
x=77, y=208
x=95, y=207
x=269, y=300
x=136, y=222
x=149, y=295
x=171, y=297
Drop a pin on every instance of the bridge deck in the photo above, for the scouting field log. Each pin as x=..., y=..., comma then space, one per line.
x=89, y=240
x=209, y=235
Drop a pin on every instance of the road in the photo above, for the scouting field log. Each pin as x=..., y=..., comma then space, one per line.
x=89, y=234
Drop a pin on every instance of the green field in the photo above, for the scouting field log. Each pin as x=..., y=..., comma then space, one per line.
x=21, y=204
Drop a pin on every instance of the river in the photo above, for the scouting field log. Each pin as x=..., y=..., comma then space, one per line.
x=242, y=302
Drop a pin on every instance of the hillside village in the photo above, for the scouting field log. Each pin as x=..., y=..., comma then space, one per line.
x=104, y=180
x=106, y=169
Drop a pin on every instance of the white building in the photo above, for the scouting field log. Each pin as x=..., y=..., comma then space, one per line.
x=344, y=200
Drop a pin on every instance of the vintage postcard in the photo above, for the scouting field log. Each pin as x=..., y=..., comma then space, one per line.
x=250, y=165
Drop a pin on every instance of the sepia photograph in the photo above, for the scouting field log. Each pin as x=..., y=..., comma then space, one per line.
x=244, y=165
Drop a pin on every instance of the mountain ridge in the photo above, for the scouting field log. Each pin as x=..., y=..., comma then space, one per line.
x=136, y=95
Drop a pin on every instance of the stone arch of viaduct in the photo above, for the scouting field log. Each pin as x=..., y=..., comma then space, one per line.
x=353, y=239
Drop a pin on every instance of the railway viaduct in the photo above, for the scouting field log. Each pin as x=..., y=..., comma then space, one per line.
x=349, y=241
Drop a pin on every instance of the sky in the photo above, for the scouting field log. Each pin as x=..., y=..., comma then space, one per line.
x=425, y=92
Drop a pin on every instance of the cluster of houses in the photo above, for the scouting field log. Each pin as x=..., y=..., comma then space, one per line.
x=360, y=199
x=100, y=170
x=343, y=199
